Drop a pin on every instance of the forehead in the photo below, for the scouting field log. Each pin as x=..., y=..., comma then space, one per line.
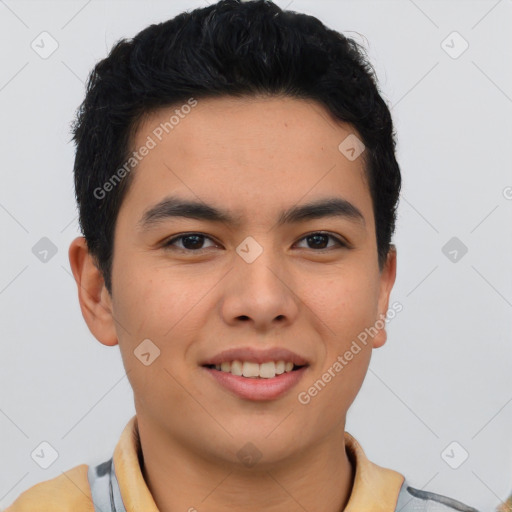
x=246, y=152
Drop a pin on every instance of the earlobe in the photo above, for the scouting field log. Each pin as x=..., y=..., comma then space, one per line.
x=95, y=301
x=387, y=280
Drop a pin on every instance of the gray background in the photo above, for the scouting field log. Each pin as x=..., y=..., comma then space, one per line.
x=444, y=374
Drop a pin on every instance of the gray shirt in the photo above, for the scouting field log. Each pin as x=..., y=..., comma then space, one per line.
x=106, y=495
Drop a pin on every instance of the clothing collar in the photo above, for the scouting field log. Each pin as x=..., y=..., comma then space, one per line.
x=375, y=488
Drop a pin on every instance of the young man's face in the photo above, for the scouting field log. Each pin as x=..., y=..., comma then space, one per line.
x=257, y=284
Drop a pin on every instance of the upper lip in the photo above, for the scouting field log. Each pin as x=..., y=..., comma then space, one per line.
x=255, y=355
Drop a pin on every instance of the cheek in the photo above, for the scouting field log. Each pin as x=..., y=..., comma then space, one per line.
x=154, y=305
x=352, y=310
x=166, y=307
x=346, y=307
x=153, y=302
x=347, y=303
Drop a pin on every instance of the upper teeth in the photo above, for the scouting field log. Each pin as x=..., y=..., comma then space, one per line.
x=248, y=369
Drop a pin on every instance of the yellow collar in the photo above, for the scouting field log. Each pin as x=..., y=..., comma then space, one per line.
x=375, y=488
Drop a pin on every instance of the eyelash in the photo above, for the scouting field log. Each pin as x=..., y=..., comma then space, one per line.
x=169, y=243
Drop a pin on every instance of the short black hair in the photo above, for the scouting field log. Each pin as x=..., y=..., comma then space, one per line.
x=231, y=48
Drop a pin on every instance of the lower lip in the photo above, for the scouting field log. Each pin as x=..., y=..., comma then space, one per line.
x=257, y=388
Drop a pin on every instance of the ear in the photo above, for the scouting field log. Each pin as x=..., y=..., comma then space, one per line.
x=387, y=280
x=94, y=298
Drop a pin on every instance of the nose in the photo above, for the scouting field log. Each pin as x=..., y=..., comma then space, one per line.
x=261, y=292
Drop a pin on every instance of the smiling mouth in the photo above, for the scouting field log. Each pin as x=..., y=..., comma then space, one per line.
x=253, y=370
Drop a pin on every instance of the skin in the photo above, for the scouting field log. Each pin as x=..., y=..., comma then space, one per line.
x=254, y=157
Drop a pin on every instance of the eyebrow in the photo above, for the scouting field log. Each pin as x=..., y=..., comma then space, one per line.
x=172, y=206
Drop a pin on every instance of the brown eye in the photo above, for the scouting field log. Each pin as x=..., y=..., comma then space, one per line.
x=320, y=241
x=189, y=242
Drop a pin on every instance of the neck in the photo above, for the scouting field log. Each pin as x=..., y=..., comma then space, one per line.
x=320, y=477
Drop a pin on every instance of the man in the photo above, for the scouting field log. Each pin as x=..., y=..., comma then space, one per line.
x=237, y=185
